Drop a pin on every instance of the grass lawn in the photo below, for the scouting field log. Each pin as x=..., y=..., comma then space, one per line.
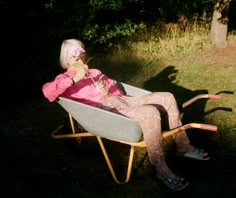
x=35, y=165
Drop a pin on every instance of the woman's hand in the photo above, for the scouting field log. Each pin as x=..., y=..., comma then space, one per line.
x=102, y=86
x=81, y=72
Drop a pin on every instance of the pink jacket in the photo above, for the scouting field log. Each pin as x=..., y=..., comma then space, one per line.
x=83, y=91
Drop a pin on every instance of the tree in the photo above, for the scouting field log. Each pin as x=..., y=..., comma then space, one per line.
x=219, y=24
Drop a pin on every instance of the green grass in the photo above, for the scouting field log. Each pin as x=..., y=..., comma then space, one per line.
x=168, y=64
x=34, y=165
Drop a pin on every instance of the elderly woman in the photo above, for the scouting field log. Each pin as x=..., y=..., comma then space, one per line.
x=92, y=87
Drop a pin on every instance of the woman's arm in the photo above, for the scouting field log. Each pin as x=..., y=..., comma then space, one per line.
x=53, y=89
x=113, y=87
x=110, y=85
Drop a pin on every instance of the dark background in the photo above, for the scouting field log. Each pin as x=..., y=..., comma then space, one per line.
x=34, y=165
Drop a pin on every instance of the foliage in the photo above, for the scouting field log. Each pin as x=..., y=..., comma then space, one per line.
x=95, y=21
x=106, y=4
x=107, y=22
x=106, y=33
x=223, y=8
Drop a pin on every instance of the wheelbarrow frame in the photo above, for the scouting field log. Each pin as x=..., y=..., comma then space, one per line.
x=101, y=124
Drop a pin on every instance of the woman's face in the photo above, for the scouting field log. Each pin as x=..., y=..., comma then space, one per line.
x=78, y=64
x=75, y=62
x=76, y=56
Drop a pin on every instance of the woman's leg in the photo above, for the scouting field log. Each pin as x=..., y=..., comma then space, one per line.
x=167, y=101
x=149, y=119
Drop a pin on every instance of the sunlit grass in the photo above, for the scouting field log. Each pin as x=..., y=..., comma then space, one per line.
x=214, y=79
x=142, y=62
x=173, y=42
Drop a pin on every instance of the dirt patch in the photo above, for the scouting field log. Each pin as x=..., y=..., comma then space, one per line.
x=220, y=56
x=216, y=56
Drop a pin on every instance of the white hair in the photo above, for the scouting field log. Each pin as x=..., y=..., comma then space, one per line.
x=68, y=48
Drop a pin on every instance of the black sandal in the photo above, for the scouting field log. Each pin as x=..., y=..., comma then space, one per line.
x=174, y=182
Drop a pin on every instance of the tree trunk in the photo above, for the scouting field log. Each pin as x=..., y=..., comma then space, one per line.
x=219, y=25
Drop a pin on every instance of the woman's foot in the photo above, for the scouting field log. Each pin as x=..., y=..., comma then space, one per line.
x=194, y=153
x=173, y=182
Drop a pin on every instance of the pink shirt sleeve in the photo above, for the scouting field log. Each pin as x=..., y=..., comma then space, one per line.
x=84, y=90
x=53, y=89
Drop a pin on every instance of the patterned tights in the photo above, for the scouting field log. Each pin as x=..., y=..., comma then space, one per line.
x=150, y=110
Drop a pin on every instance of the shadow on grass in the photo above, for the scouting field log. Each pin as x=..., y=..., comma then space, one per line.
x=34, y=165
x=165, y=81
x=212, y=142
